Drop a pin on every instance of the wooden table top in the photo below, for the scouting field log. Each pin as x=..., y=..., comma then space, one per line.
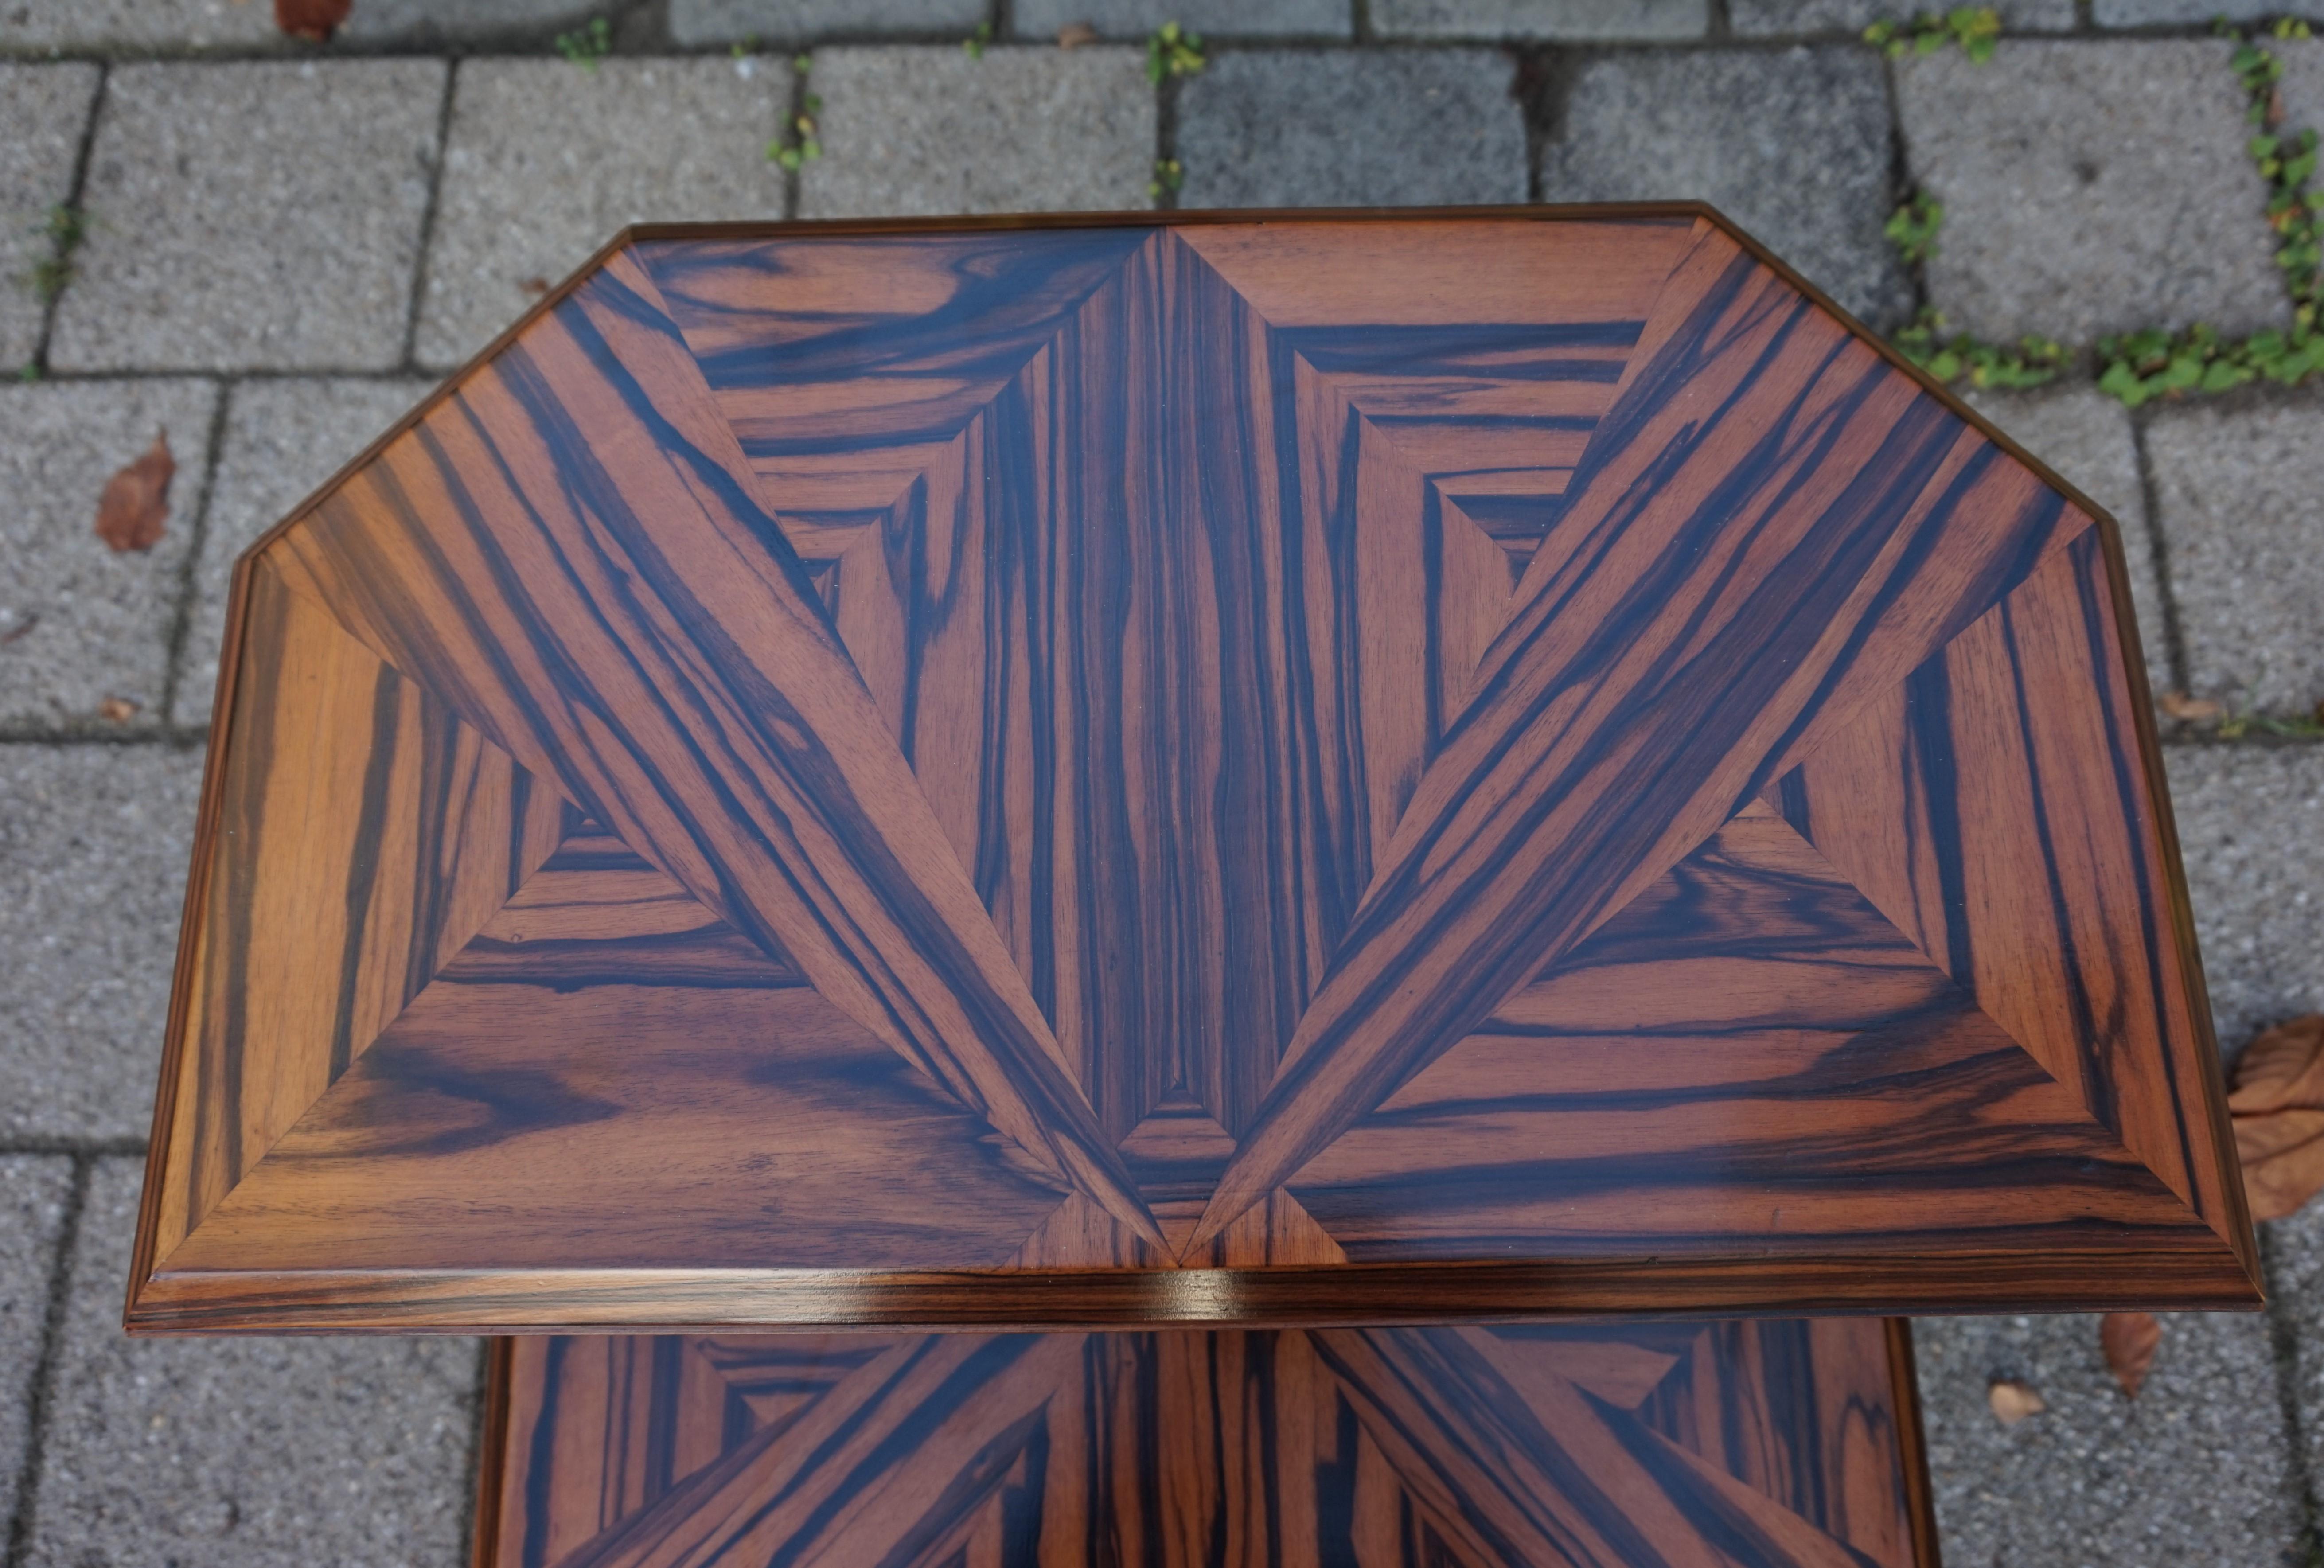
x=1166, y=769
x=1781, y=1444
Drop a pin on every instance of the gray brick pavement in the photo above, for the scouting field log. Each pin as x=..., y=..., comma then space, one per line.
x=138, y=25
x=2090, y=187
x=284, y=437
x=86, y=622
x=2198, y=1469
x=930, y=130
x=2251, y=830
x=95, y=840
x=33, y=1190
x=1562, y=20
x=545, y=161
x=426, y=21
x=1794, y=144
x=1268, y=128
x=699, y=21
x=252, y=214
x=2294, y=1247
x=1784, y=18
x=1041, y=19
x=2243, y=516
x=2183, y=13
x=42, y=111
x=242, y=1454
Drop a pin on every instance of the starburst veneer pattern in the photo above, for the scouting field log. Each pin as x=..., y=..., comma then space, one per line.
x=1182, y=771
x=1779, y=1443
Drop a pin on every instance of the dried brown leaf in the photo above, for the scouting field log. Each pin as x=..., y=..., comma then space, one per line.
x=117, y=710
x=2013, y=1401
x=137, y=501
x=2278, y=1106
x=1074, y=34
x=312, y=20
x=536, y=287
x=2129, y=1340
x=2178, y=704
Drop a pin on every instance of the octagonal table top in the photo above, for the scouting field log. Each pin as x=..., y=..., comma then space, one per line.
x=1184, y=768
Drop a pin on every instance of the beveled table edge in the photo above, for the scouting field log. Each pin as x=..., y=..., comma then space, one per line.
x=160, y=1303
x=1380, y=1295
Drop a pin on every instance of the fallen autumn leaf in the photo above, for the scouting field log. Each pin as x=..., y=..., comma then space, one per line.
x=117, y=710
x=1074, y=34
x=136, y=500
x=2013, y=1401
x=2129, y=1340
x=2178, y=704
x=312, y=20
x=2278, y=1106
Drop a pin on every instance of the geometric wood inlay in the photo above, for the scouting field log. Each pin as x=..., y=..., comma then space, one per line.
x=1201, y=770
x=1781, y=1441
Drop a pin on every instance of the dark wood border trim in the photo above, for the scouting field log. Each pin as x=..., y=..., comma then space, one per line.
x=491, y=1450
x=1912, y=1444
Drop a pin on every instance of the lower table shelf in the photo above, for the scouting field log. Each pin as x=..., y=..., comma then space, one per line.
x=1765, y=1442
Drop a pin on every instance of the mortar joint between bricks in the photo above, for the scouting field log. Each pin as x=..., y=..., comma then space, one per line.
x=181, y=618
x=2283, y=1336
x=423, y=255
x=44, y=1366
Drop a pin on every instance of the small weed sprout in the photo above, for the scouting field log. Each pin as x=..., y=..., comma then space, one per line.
x=586, y=46
x=1975, y=28
x=1172, y=51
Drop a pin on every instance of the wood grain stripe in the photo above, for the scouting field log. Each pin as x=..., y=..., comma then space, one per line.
x=364, y=826
x=1748, y=518
x=680, y=677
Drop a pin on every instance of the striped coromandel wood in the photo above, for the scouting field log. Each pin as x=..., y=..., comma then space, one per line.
x=1773, y=1443
x=1184, y=771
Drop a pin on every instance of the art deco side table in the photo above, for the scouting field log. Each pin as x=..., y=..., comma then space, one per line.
x=1197, y=771
x=1766, y=1443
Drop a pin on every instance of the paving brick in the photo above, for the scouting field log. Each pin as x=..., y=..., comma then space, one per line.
x=2150, y=12
x=243, y=1452
x=462, y=21
x=546, y=161
x=929, y=130
x=284, y=437
x=94, y=846
x=2243, y=520
x=1562, y=19
x=2086, y=436
x=2197, y=1470
x=1765, y=18
x=698, y=21
x=2090, y=189
x=83, y=623
x=1040, y=19
x=1794, y=144
x=138, y=25
x=2302, y=86
x=255, y=214
x=2294, y=1249
x=32, y=1193
x=2251, y=832
x=43, y=109
x=1273, y=129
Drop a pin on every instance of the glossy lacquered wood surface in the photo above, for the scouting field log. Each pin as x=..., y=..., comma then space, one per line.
x=1777, y=1441
x=1331, y=769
